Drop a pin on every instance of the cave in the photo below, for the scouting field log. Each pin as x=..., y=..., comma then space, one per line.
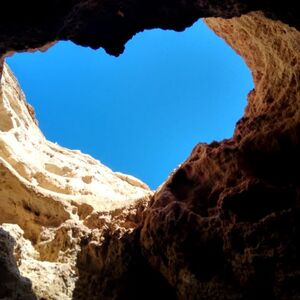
x=129, y=111
x=224, y=225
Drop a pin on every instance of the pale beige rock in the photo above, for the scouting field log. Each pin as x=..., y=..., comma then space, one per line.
x=12, y=284
x=50, y=280
x=48, y=192
x=45, y=169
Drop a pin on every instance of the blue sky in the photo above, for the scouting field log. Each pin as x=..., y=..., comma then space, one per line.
x=143, y=112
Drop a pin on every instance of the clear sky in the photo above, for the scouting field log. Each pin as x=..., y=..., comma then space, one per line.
x=143, y=112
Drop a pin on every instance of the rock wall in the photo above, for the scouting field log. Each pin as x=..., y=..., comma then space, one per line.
x=32, y=24
x=225, y=225
x=51, y=198
x=240, y=196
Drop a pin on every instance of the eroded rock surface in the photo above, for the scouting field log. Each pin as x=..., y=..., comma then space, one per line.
x=225, y=225
x=51, y=198
x=110, y=23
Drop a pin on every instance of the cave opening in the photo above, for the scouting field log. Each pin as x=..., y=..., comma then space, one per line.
x=131, y=112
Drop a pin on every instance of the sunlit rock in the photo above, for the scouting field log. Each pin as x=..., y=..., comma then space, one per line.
x=57, y=196
x=225, y=225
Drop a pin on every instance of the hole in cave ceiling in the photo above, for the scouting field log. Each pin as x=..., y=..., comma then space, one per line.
x=143, y=112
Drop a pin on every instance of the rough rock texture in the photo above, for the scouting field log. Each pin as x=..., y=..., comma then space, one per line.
x=109, y=24
x=12, y=284
x=225, y=225
x=57, y=196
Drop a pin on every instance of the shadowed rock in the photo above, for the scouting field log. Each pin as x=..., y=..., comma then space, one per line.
x=225, y=225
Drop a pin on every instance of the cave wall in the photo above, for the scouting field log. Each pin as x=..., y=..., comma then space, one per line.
x=50, y=199
x=225, y=225
x=32, y=24
x=226, y=222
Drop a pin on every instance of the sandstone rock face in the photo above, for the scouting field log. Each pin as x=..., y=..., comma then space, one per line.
x=12, y=285
x=57, y=196
x=225, y=225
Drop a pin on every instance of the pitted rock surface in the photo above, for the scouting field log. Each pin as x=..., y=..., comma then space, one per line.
x=225, y=225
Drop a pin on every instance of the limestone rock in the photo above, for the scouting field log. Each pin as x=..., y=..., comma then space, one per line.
x=225, y=225
x=12, y=284
x=51, y=193
x=36, y=171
